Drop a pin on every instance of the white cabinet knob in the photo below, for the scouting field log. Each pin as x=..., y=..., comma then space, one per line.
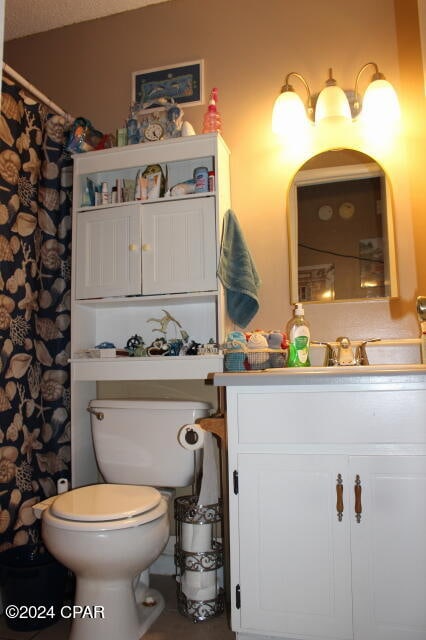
x=133, y=247
x=146, y=247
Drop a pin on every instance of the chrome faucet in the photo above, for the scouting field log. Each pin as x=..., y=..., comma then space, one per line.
x=344, y=353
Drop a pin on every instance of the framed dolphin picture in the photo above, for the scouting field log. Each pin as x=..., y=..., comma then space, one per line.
x=182, y=83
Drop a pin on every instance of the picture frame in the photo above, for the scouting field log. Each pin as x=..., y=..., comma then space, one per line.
x=316, y=283
x=182, y=83
x=372, y=266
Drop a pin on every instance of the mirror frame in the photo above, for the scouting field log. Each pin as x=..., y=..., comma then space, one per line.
x=339, y=173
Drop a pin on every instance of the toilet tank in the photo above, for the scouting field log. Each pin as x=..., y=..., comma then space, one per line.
x=136, y=441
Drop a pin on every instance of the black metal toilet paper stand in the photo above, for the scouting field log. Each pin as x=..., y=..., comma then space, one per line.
x=199, y=594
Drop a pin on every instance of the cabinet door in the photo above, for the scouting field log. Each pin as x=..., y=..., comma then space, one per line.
x=108, y=255
x=294, y=550
x=389, y=548
x=179, y=246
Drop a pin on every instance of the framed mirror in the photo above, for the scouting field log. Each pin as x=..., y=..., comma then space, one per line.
x=341, y=230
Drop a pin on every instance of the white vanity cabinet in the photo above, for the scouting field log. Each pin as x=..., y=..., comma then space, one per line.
x=327, y=507
x=135, y=260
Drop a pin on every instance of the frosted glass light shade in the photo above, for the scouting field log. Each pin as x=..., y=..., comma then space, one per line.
x=288, y=114
x=380, y=104
x=332, y=104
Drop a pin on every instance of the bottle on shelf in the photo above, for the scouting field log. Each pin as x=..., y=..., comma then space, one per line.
x=212, y=118
x=104, y=193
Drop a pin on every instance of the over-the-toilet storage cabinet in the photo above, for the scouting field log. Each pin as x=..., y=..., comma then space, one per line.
x=304, y=566
x=133, y=260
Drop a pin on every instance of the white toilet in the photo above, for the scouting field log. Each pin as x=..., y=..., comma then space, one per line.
x=109, y=534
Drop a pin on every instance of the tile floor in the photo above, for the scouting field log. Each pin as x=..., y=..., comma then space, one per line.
x=171, y=625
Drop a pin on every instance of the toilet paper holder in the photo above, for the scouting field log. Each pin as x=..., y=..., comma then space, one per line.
x=199, y=553
x=199, y=557
x=191, y=436
x=215, y=424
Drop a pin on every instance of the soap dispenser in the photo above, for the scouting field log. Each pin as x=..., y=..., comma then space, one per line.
x=299, y=337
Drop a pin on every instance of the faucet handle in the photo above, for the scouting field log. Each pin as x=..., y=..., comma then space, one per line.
x=361, y=354
x=361, y=351
x=330, y=353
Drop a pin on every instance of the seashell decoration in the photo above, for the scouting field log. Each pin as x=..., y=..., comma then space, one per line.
x=10, y=108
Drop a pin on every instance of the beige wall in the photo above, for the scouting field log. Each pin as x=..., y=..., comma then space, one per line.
x=248, y=47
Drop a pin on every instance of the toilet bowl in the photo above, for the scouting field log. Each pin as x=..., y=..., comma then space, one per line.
x=108, y=535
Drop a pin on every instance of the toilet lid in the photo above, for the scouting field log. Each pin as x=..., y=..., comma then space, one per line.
x=101, y=502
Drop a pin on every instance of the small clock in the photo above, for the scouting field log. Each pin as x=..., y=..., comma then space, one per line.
x=154, y=131
x=159, y=123
x=346, y=210
x=325, y=212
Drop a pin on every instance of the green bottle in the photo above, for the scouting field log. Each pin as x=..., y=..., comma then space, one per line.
x=299, y=337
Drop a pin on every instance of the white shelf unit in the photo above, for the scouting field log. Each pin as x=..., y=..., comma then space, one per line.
x=132, y=261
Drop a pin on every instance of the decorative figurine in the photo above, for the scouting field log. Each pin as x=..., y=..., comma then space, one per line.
x=278, y=341
x=140, y=350
x=133, y=133
x=164, y=324
x=208, y=348
x=158, y=348
x=192, y=349
x=235, y=351
x=132, y=344
x=175, y=347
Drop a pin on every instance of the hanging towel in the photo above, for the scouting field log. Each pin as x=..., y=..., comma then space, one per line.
x=237, y=272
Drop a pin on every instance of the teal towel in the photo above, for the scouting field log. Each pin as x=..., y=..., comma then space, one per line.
x=237, y=272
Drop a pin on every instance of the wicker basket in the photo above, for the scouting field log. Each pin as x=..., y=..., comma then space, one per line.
x=256, y=360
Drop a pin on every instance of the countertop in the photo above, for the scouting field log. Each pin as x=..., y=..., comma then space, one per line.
x=321, y=375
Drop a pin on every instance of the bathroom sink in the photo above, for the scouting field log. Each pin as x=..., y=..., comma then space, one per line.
x=383, y=353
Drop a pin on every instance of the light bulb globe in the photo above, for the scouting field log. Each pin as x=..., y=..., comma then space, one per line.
x=288, y=114
x=332, y=105
x=380, y=104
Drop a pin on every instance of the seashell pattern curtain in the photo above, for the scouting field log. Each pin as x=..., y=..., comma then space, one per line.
x=35, y=259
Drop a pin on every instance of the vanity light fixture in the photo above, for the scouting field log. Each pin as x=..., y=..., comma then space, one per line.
x=380, y=103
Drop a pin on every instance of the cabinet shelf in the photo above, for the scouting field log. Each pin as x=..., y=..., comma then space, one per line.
x=147, y=368
x=188, y=196
x=150, y=301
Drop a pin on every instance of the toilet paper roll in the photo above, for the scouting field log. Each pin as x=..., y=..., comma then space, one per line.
x=62, y=485
x=196, y=537
x=191, y=437
x=209, y=490
x=199, y=585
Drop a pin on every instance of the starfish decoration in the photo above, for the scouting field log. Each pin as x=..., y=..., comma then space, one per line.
x=164, y=323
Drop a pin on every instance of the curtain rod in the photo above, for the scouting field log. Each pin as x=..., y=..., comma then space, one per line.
x=35, y=92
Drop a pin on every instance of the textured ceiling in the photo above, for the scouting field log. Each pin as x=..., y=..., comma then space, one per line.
x=25, y=17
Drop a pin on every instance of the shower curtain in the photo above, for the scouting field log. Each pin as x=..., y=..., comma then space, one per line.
x=35, y=259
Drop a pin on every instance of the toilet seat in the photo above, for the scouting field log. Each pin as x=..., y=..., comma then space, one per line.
x=108, y=503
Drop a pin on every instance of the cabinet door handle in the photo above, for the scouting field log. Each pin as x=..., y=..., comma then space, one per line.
x=133, y=247
x=358, y=503
x=339, y=494
x=146, y=247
